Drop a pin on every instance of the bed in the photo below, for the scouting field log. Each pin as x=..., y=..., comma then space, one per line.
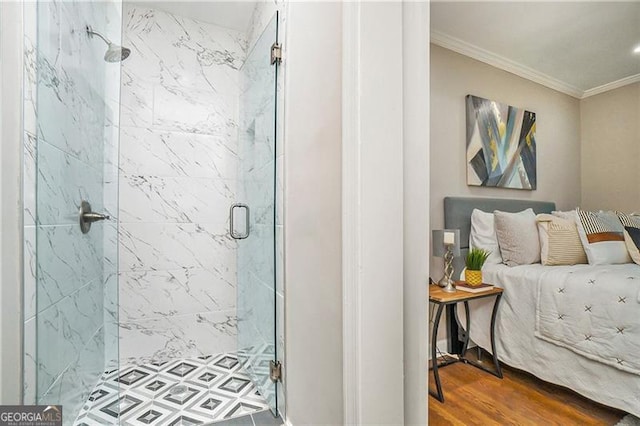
x=531, y=333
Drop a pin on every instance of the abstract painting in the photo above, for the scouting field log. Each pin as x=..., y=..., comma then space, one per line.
x=501, y=145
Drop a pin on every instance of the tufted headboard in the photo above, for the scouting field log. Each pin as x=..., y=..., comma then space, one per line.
x=457, y=215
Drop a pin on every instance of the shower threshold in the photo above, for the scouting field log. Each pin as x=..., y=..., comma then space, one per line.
x=189, y=391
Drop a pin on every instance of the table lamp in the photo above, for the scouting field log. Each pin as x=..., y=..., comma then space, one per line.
x=446, y=244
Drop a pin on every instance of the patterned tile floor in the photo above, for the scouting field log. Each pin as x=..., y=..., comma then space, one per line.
x=194, y=391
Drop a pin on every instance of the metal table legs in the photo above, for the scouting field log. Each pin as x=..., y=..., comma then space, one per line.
x=434, y=358
x=497, y=371
x=439, y=395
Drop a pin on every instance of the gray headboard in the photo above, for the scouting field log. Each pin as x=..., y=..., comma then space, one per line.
x=457, y=215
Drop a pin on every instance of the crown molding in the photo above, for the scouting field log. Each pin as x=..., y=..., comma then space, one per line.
x=495, y=60
x=503, y=63
x=610, y=86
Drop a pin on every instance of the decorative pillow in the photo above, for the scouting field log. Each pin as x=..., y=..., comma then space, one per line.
x=569, y=215
x=518, y=237
x=602, y=237
x=631, y=225
x=483, y=235
x=559, y=240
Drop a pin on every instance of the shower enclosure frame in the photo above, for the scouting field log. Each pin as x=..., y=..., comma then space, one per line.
x=32, y=139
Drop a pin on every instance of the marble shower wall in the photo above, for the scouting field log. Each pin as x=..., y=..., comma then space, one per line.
x=69, y=117
x=178, y=166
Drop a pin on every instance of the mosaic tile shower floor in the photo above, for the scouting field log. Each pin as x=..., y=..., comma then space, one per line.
x=193, y=391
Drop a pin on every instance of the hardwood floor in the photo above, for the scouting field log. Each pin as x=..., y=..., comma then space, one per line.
x=473, y=397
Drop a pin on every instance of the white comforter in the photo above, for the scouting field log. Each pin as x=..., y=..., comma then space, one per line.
x=593, y=311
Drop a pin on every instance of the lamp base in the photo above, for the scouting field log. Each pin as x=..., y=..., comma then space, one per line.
x=447, y=284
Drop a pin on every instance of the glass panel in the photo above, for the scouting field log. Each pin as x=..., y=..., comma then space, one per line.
x=256, y=254
x=76, y=160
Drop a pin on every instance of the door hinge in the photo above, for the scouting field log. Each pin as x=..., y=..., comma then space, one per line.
x=275, y=371
x=276, y=53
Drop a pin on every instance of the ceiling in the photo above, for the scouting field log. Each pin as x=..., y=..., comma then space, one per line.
x=235, y=15
x=580, y=48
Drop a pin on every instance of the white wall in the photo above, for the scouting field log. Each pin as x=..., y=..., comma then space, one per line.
x=453, y=76
x=415, y=80
x=313, y=207
x=610, y=129
x=373, y=213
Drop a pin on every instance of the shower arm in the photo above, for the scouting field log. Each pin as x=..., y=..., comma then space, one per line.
x=91, y=33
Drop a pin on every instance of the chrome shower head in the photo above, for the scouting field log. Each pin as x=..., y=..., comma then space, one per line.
x=114, y=52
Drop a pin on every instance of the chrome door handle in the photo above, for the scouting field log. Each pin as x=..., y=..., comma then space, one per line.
x=87, y=217
x=232, y=230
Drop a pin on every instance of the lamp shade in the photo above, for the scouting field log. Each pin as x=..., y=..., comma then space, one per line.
x=438, y=241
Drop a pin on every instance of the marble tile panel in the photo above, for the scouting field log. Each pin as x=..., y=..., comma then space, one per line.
x=29, y=275
x=64, y=329
x=194, y=111
x=256, y=254
x=80, y=377
x=145, y=151
x=181, y=336
x=29, y=179
x=175, y=199
x=29, y=362
x=29, y=84
x=73, y=122
x=159, y=294
x=136, y=106
x=63, y=182
x=111, y=319
x=145, y=246
x=261, y=16
x=202, y=55
x=67, y=260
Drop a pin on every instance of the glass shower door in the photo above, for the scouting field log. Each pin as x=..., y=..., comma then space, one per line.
x=256, y=197
x=76, y=175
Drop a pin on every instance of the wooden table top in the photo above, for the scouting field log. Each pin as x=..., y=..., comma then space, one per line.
x=436, y=294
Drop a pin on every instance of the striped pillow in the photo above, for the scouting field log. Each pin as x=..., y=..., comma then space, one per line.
x=559, y=241
x=602, y=237
x=631, y=225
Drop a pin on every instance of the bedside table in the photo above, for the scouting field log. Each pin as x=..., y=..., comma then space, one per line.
x=442, y=299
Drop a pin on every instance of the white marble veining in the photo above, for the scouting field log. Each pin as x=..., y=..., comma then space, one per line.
x=158, y=246
x=180, y=52
x=178, y=178
x=180, y=336
x=175, y=199
x=29, y=362
x=175, y=292
x=64, y=329
x=136, y=106
x=144, y=151
x=66, y=261
x=194, y=111
x=64, y=181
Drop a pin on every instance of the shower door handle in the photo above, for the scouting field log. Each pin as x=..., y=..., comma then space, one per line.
x=232, y=230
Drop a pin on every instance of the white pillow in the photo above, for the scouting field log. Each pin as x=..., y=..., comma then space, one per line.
x=517, y=237
x=602, y=237
x=483, y=235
